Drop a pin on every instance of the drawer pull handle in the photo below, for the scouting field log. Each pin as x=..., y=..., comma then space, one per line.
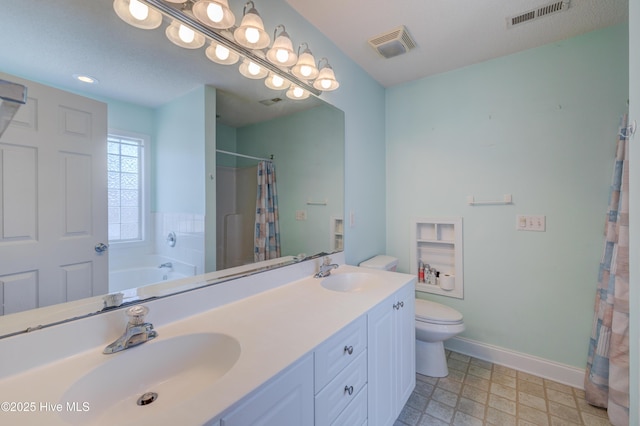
x=395, y=306
x=348, y=349
x=348, y=389
x=402, y=304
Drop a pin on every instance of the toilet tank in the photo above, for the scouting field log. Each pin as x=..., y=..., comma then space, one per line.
x=387, y=263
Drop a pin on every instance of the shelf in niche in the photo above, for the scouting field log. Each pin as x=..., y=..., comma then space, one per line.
x=438, y=242
x=337, y=231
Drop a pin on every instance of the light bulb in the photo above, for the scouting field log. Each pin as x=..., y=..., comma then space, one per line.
x=297, y=92
x=138, y=10
x=305, y=70
x=277, y=81
x=252, y=35
x=222, y=52
x=282, y=55
x=325, y=83
x=214, y=12
x=253, y=69
x=186, y=34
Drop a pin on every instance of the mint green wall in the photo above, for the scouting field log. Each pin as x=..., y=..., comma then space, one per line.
x=309, y=160
x=131, y=117
x=180, y=149
x=226, y=141
x=362, y=100
x=634, y=211
x=539, y=125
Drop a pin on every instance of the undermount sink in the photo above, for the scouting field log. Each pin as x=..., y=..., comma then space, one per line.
x=351, y=282
x=125, y=386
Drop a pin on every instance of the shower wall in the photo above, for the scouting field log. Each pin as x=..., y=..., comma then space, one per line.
x=235, y=215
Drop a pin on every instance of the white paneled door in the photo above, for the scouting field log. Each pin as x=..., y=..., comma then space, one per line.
x=53, y=200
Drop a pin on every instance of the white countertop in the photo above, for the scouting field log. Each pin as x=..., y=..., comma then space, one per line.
x=274, y=328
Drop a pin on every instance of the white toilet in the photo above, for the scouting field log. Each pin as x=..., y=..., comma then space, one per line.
x=435, y=323
x=382, y=262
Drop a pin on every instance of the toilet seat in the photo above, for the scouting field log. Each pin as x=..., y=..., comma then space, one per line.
x=435, y=313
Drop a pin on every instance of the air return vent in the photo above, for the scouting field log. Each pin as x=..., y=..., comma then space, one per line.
x=392, y=43
x=269, y=102
x=532, y=15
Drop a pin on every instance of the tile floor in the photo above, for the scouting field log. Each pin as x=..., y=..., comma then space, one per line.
x=480, y=393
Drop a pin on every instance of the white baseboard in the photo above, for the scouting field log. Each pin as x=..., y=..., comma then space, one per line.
x=551, y=370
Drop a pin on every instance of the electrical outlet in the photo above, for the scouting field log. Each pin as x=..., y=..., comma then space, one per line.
x=301, y=215
x=531, y=223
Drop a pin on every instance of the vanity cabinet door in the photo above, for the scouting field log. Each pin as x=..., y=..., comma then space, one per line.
x=287, y=400
x=405, y=345
x=391, y=356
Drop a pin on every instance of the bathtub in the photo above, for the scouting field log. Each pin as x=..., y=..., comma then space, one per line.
x=147, y=272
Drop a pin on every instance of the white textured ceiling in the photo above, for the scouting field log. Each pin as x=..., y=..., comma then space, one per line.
x=449, y=34
x=48, y=41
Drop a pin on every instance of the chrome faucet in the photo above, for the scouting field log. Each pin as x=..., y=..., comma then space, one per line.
x=325, y=268
x=166, y=265
x=136, y=333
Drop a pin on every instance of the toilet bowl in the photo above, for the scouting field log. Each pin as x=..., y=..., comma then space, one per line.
x=435, y=323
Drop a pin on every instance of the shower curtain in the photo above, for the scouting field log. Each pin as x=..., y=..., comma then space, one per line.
x=607, y=372
x=267, y=237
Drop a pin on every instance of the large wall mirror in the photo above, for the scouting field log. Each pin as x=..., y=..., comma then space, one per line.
x=205, y=131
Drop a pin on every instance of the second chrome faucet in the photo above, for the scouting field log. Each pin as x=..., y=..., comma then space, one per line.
x=325, y=268
x=137, y=332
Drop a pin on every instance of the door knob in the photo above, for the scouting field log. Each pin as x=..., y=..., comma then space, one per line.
x=101, y=247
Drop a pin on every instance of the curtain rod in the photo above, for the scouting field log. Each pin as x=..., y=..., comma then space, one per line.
x=235, y=154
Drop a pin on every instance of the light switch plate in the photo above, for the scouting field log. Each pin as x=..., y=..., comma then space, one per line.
x=301, y=215
x=536, y=223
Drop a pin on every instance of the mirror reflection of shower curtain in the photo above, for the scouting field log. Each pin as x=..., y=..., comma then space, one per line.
x=267, y=229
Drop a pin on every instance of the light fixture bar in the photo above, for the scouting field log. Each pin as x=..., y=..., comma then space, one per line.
x=176, y=14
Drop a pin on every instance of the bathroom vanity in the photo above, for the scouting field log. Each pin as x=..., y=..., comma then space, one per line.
x=278, y=348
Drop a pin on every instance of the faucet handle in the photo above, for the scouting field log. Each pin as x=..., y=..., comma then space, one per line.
x=136, y=314
x=327, y=261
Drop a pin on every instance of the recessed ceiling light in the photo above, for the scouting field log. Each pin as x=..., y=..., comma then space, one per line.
x=85, y=78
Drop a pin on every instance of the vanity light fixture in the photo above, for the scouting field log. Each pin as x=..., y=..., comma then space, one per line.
x=183, y=36
x=251, y=33
x=194, y=22
x=221, y=54
x=275, y=82
x=281, y=52
x=326, y=80
x=250, y=69
x=214, y=13
x=297, y=93
x=305, y=68
x=138, y=14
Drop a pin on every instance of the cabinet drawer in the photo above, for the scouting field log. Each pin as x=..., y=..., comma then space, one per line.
x=339, y=350
x=356, y=411
x=341, y=391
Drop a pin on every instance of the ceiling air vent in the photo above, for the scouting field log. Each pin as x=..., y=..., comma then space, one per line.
x=392, y=43
x=532, y=15
x=269, y=102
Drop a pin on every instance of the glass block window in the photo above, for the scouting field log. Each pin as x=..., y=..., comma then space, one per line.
x=125, y=188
